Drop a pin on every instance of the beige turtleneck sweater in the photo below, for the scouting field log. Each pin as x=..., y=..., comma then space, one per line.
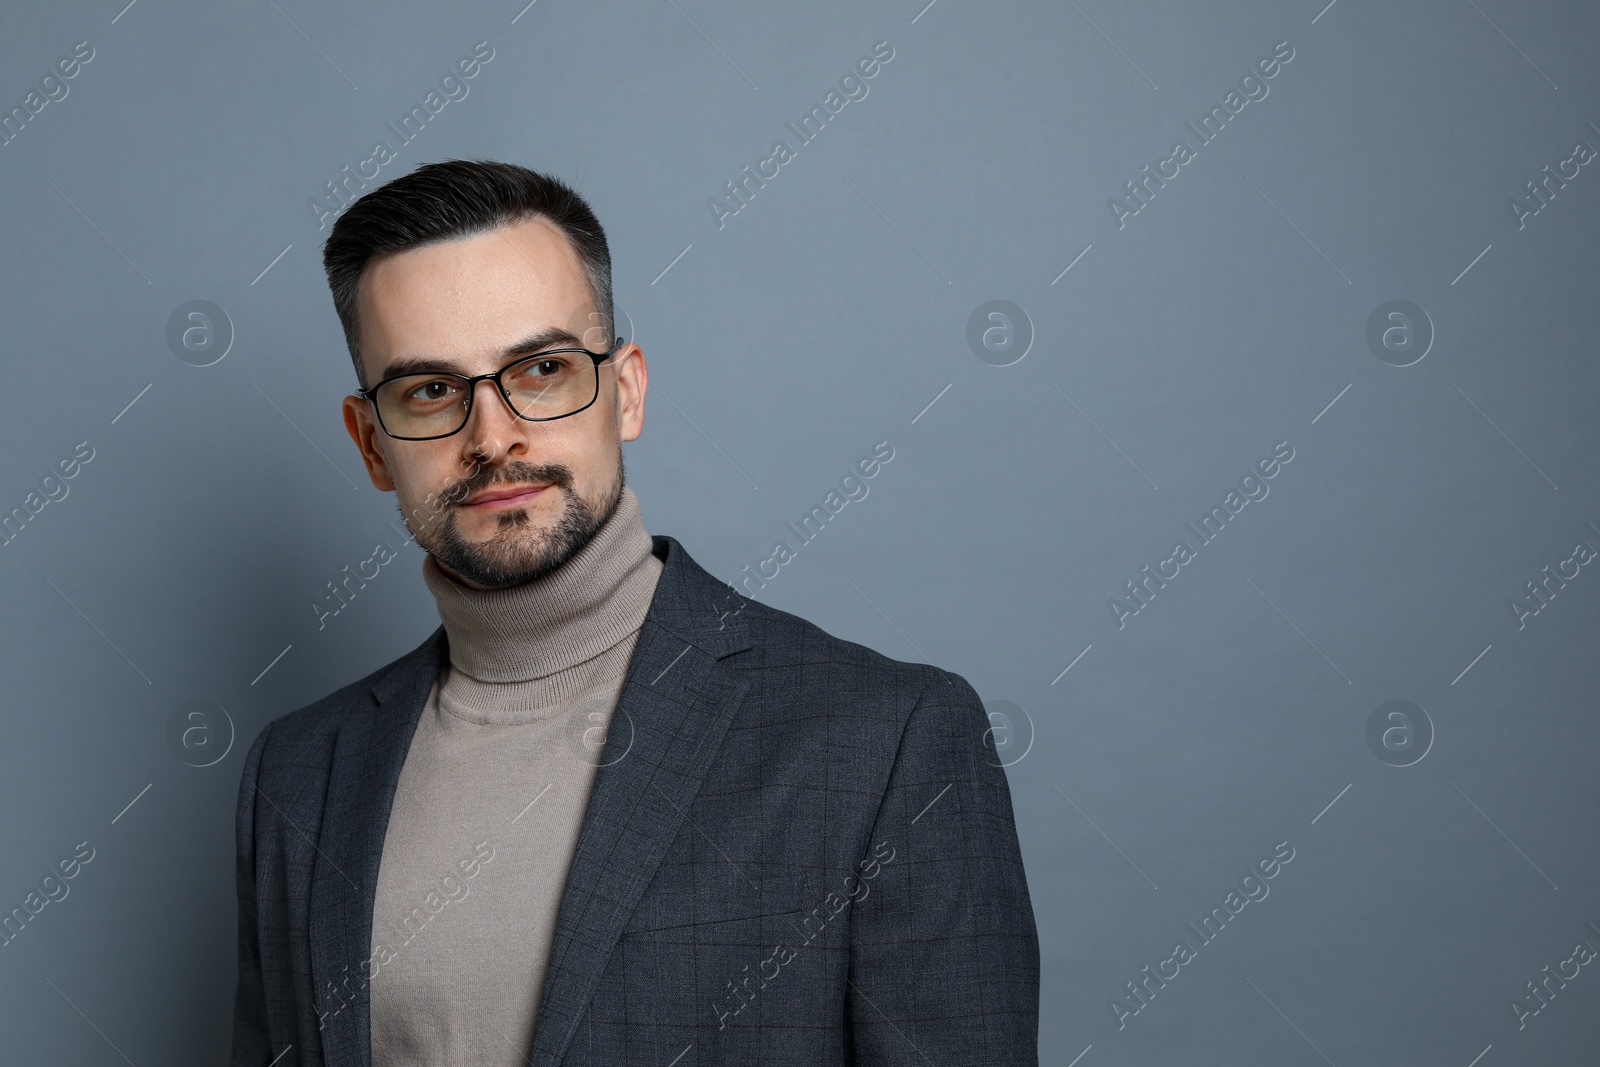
x=491, y=797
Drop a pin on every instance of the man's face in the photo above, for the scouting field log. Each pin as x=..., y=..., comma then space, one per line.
x=505, y=500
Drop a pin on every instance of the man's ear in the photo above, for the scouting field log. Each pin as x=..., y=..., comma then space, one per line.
x=364, y=431
x=633, y=380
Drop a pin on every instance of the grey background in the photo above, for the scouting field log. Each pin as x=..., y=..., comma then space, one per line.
x=831, y=313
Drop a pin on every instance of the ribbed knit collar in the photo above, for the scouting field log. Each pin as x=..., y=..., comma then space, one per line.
x=533, y=632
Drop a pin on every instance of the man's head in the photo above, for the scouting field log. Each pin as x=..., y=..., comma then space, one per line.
x=466, y=267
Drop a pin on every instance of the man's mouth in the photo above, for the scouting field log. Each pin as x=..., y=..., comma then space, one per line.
x=504, y=496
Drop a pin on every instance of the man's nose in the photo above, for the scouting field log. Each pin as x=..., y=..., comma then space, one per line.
x=490, y=421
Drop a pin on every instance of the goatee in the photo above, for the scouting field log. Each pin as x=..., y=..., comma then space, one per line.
x=511, y=556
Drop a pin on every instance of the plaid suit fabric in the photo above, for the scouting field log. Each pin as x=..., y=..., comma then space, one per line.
x=797, y=851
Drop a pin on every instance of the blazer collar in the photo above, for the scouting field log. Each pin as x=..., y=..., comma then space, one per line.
x=676, y=702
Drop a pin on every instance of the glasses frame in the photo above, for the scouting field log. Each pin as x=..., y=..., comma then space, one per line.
x=471, y=383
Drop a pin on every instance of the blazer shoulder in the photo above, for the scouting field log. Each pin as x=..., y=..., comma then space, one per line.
x=907, y=721
x=779, y=647
x=782, y=641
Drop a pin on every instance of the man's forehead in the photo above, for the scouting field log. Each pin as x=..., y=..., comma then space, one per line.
x=475, y=296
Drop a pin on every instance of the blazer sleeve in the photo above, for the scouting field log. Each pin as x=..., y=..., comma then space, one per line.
x=944, y=954
x=251, y=1041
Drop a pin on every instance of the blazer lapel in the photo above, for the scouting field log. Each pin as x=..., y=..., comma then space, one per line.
x=676, y=703
x=368, y=753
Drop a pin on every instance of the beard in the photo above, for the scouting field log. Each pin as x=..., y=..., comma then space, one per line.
x=518, y=551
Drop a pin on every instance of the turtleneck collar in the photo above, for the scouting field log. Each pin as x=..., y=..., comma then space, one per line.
x=533, y=632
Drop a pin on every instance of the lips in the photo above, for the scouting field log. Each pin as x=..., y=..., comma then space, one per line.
x=505, y=496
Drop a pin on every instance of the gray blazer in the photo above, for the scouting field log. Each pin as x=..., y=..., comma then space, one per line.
x=806, y=855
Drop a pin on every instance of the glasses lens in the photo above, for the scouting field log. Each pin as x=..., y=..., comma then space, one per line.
x=422, y=405
x=551, y=384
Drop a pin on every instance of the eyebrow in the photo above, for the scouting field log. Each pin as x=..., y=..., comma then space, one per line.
x=545, y=338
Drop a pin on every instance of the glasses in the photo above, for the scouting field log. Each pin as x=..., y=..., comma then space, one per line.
x=548, y=385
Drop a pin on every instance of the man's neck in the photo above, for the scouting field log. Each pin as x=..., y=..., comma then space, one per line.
x=570, y=614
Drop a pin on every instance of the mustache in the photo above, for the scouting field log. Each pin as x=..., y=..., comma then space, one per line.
x=554, y=474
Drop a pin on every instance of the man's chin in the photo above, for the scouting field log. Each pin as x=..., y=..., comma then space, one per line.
x=493, y=565
x=513, y=547
x=511, y=553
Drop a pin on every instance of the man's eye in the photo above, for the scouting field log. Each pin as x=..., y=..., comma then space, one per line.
x=436, y=389
x=544, y=368
x=541, y=371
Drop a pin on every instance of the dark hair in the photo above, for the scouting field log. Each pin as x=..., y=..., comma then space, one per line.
x=457, y=198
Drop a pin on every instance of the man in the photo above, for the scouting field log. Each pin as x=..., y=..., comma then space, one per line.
x=610, y=812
